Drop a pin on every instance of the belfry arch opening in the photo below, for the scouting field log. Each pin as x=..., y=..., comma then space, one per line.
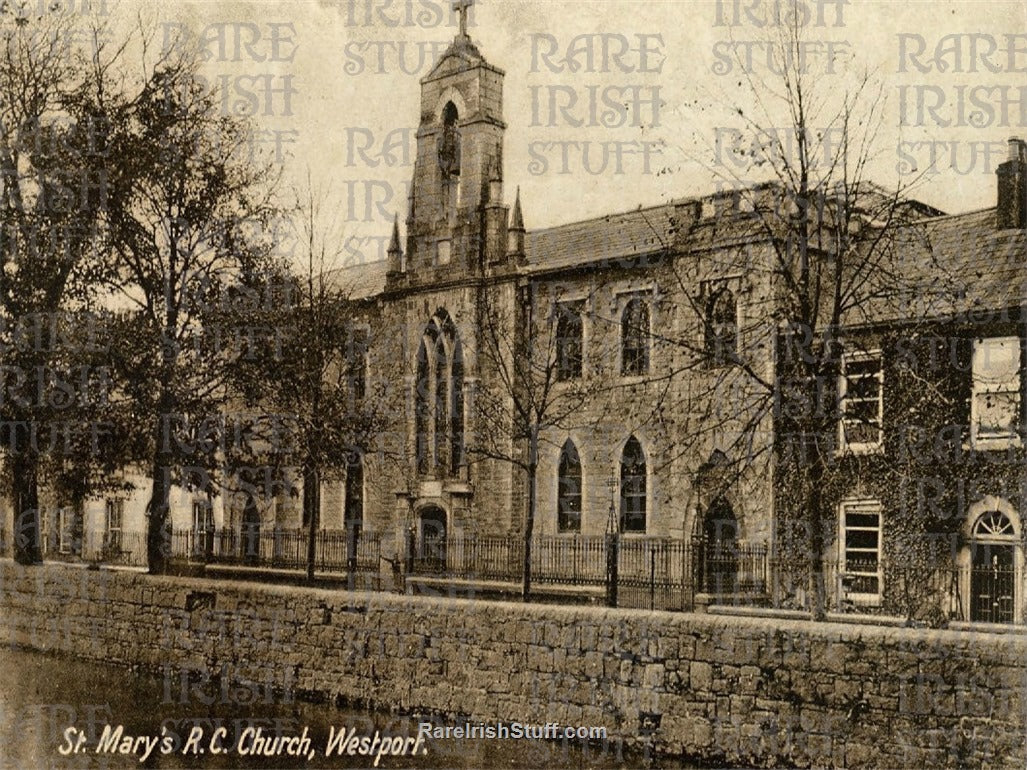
x=449, y=142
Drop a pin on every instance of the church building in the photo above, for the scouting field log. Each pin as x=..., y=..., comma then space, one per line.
x=479, y=321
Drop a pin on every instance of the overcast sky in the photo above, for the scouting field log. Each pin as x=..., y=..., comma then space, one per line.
x=342, y=99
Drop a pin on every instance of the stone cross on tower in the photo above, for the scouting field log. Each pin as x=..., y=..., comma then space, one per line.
x=462, y=7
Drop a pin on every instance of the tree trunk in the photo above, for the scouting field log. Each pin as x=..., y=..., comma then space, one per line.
x=529, y=528
x=27, y=537
x=817, y=589
x=158, y=537
x=311, y=511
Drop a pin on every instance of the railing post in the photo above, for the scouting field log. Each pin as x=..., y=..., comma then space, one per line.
x=352, y=539
x=652, y=576
x=409, y=548
x=612, y=549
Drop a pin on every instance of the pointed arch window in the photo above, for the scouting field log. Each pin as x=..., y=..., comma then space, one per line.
x=632, y=487
x=568, y=501
x=635, y=331
x=442, y=374
x=439, y=400
x=422, y=409
x=456, y=410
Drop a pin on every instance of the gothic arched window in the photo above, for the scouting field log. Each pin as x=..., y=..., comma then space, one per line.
x=722, y=325
x=442, y=414
x=439, y=399
x=568, y=500
x=635, y=338
x=422, y=409
x=569, y=334
x=632, y=487
x=457, y=408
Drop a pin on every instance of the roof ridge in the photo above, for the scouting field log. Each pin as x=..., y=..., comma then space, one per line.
x=961, y=214
x=601, y=217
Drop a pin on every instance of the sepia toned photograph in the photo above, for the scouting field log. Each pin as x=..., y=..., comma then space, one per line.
x=513, y=384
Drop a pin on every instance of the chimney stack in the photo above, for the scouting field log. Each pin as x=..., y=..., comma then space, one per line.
x=1012, y=188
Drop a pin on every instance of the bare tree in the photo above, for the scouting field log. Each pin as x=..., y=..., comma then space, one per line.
x=816, y=243
x=315, y=379
x=531, y=383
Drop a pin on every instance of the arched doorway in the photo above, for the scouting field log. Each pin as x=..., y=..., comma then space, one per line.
x=993, y=569
x=432, y=541
x=250, y=532
x=720, y=548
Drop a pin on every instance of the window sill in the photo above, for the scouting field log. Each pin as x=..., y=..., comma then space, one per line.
x=993, y=444
x=711, y=362
x=457, y=487
x=860, y=450
x=863, y=600
x=633, y=379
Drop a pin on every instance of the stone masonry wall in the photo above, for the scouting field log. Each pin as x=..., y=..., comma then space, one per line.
x=742, y=689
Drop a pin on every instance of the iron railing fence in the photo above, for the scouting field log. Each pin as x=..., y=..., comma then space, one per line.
x=648, y=573
x=652, y=573
x=335, y=550
x=98, y=546
x=730, y=568
x=935, y=594
x=576, y=560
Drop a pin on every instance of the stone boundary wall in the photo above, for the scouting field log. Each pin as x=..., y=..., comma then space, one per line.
x=742, y=690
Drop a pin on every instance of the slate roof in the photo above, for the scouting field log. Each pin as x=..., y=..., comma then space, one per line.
x=614, y=236
x=952, y=266
x=947, y=265
x=360, y=281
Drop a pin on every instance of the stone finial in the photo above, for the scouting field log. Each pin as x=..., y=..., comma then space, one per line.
x=515, y=233
x=395, y=251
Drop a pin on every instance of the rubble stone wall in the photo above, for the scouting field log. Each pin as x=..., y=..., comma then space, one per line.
x=745, y=690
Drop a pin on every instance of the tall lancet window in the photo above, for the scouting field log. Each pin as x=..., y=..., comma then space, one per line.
x=568, y=498
x=439, y=399
x=632, y=487
x=457, y=408
x=442, y=375
x=422, y=409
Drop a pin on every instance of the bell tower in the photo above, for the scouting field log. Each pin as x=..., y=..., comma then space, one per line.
x=456, y=221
